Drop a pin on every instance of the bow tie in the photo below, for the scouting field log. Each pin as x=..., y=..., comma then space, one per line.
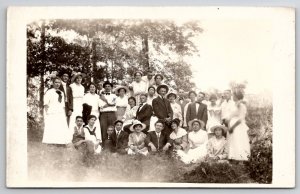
x=107, y=93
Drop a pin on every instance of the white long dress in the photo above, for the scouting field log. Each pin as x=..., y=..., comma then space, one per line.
x=198, y=140
x=56, y=129
x=78, y=93
x=93, y=100
x=238, y=140
x=214, y=116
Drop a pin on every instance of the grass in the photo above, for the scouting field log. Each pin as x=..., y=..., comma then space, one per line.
x=48, y=163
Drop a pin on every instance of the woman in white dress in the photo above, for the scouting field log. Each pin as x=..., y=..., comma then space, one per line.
x=175, y=107
x=92, y=99
x=238, y=140
x=158, y=79
x=121, y=101
x=136, y=140
x=138, y=86
x=92, y=135
x=78, y=93
x=197, y=139
x=130, y=114
x=217, y=149
x=213, y=114
x=179, y=138
x=56, y=129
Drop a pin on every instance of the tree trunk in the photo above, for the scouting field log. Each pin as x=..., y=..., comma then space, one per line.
x=94, y=60
x=145, y=52
x=42, y=70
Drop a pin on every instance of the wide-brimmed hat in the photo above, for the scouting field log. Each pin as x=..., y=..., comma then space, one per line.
x=219, y=126
x=137, y=122
x=77, y=75
x=162, y=86
x=172, y=93
x=117, y=89
x=190, y=123
x=107, y=83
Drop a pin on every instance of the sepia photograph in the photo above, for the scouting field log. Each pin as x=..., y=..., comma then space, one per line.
x=161, y=97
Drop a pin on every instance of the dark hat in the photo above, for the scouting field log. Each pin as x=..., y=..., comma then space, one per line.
x=107, y=83
x=162, y=86
x=118, y=121
x=91, y=116
x=176, y=120
x=151, y=87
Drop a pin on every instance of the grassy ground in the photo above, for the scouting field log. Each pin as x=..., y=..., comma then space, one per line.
x=50, y=163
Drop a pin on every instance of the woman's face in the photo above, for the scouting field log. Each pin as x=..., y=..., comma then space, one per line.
x=158, y=80
x=151, y=91
x=196, y=126
x=172, y=98
x=92, y=89
x=78, y=79
x=174, y=125
x=131, y=102
x=138, y=128
x=213, y=101
x=122, y=92
x=138, y=77
x=92, y=121
x=218, y=132
x=56, y=83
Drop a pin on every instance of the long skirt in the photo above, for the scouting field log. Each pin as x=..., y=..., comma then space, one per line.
x=120, y=112
x=238, y=142
x=56, y=129
x=193, y=155
x=77, y=111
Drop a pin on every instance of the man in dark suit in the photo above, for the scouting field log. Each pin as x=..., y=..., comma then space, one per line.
x=196, y=110
x=157, y=140
x=162, y=108
x=68, y=94
x=144, y=112
x=120, y=138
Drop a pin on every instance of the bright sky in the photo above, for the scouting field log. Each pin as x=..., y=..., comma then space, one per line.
x=234, y=50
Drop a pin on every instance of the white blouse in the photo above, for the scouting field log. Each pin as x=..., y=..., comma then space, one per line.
x=198, y=138
x=92, y=100
x=140, y=87
x=122, y=102
x=77, y=90
x=51, y=100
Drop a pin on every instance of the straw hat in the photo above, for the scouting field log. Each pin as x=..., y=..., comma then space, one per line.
x=117, y=89
x=137, y=122
x=190, y=123
x=219, y=126
x=172, y=93
x=77, y=75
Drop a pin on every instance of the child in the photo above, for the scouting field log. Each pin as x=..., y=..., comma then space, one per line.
x=78, y=135
x=92, y=135
x=136, y=140
x=108, y=144
x=217, y=149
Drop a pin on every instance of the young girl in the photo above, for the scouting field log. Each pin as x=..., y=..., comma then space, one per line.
x=136, y=141
x=93, y=135
x=217, y=149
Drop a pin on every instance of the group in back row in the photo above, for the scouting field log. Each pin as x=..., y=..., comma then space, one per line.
x=155, y=117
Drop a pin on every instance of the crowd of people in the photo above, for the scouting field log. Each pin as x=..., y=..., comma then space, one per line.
x=145, y=117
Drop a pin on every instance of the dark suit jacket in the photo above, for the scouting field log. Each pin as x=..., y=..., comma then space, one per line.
x=144, y=114
x=163, y=140
x=120, y=142
x=68, y=94
x=201, y=114
x=162, y=108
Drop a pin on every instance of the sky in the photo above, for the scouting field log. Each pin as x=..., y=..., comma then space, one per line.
x=234, y=50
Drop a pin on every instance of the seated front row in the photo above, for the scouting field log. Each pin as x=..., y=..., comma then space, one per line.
x=189, y=147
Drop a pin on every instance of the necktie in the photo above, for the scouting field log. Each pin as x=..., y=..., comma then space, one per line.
x=158, y=135
x=140, y=107
x=59, y=96
x=107, y=93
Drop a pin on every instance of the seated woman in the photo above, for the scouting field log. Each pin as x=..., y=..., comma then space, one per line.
x=217, y=149
x=178, y=137
x=93, y=135
x=136, y=140
x=130, y=114
x=197, y=139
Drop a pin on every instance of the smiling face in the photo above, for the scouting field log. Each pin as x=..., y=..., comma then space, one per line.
x=162, y=91
x=138, y=128
x=174, y=125
x=92, y=121
x=107, y=87
x=118, y=126
x=92, y=89
x=159, y=127
x=131, y=103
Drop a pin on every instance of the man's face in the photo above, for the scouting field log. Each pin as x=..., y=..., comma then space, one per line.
x=201, y=97
x=149, y=75
x=181, y=92
x=118, y=126
x=143, y=99
x=107, y=87
x=65, y=77
x=227, y=95
x=79, y=122
x=159, y=127
x=138, y=77
x=192, y=97
x=100, y=85
x=162, y=91
x=110, y=131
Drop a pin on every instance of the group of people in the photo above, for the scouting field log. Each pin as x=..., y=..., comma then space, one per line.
x=146, y=116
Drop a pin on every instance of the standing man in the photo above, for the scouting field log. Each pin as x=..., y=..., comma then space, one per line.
x=108, y=108
x=227, y=107
x=182, y=101
x=162, y=108
x=68, y=94
x=144, y=112
x=202, y=110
